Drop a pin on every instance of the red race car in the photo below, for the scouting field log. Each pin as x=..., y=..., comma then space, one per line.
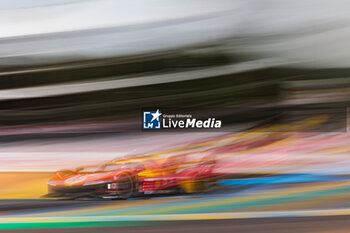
x=135, y=177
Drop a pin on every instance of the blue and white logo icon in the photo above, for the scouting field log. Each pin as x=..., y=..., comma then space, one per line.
x=151, y=120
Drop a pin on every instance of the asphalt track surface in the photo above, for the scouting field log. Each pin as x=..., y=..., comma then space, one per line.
x=293, y=203
x=13, y=206
x=325, y=224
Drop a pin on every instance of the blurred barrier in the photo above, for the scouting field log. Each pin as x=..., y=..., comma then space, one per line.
x=312, y=91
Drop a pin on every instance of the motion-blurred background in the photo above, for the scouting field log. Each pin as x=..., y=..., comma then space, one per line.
x=76, y=74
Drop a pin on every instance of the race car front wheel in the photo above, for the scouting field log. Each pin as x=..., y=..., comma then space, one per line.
x=124, y=186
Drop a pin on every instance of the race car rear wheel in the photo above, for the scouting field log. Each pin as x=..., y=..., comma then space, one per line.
x=197, y=186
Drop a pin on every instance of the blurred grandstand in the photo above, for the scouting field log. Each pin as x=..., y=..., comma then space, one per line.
x=51, y=80
x=97, y=76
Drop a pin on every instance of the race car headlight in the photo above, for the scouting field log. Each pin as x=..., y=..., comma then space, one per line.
x=97, y=182
x=52, y=183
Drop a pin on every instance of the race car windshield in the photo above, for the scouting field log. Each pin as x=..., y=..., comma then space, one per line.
x=87, y=169
x=113, y=167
